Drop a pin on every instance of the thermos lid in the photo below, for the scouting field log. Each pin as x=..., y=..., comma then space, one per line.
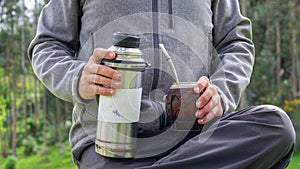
x=126, y=65
x=126, y=40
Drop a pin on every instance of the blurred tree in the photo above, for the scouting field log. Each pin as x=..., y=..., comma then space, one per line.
x=275, y=79
x=243, y=102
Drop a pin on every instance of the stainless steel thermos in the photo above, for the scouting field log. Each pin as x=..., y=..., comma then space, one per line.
x=118, y=115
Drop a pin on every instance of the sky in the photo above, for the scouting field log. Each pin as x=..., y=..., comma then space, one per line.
x=29, y=4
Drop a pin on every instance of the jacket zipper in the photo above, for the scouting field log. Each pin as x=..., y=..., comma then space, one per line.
x=170, y=5
x=155, y=79
x=155, y=44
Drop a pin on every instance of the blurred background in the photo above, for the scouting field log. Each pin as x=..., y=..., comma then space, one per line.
x=34, y=124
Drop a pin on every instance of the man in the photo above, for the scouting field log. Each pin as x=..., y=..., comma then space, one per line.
x=211, y=43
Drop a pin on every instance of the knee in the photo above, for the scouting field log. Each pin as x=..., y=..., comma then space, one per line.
x=283, y=124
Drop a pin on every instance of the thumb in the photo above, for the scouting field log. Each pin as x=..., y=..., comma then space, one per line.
x=165, y=98
x=100, y=53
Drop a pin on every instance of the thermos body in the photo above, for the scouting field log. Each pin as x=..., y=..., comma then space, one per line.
x=118, y=115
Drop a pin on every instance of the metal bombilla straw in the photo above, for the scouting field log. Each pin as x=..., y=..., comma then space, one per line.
x=169, y=60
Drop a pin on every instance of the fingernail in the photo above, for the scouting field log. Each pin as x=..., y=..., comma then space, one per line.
x=196, y=89
x=117, y=84
x=198, y=104
x=112, y=91
x=201, y=121
x=198, y=113
x=117, y=76
x=111, y=54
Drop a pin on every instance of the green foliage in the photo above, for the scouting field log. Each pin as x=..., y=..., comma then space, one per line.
x=53, y=159
x=265, y=16
x=292, y=107
x=10, y=163
x=295, y=162
x=272, y=23
x=30, y=146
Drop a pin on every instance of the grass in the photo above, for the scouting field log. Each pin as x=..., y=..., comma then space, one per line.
x=53, y=160
x=56, y=160
x=295, y=163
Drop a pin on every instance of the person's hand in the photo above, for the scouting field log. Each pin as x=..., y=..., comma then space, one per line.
x=209, y=102
x=99, y=79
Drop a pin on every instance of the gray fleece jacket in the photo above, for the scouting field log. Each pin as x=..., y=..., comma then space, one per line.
x=204, y=37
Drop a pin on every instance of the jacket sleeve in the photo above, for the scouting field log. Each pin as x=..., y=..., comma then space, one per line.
x=233, y=61
x=53, y=50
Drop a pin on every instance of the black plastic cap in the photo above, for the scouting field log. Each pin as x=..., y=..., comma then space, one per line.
x=126, y=40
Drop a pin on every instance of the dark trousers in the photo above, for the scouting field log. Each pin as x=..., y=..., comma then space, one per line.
x=258, y=137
